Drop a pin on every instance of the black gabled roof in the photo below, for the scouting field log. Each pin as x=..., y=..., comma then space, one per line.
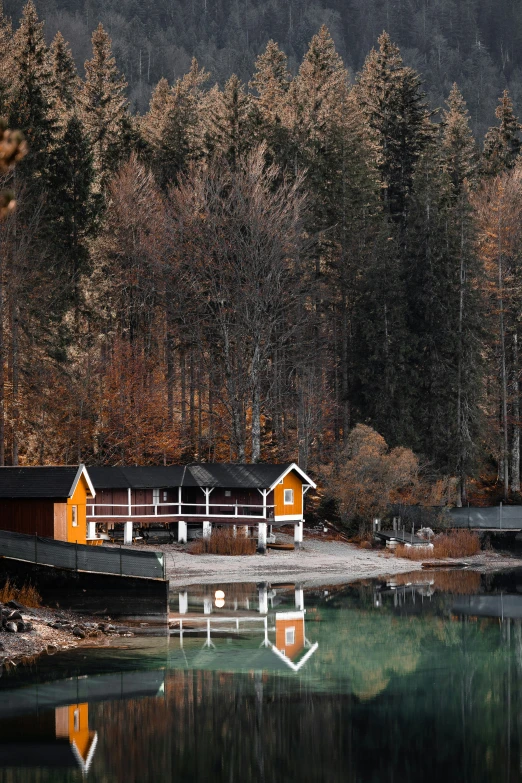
x=38, y=482
x=200, y=475
x=147, y=477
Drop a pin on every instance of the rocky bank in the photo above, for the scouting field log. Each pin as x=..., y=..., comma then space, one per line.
x=26, y=632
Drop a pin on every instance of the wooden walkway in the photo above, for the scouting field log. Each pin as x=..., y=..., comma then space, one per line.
x=400, y=537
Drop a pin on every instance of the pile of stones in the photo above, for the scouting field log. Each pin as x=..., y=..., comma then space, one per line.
x=11, y=620
x=83, y=630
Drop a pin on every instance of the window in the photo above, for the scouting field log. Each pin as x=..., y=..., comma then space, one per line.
x=155, y=496
x=74, y=516
x=165, y=494
x=289, y=497
x=228, y=493
x=289, y=636
x=76, y=720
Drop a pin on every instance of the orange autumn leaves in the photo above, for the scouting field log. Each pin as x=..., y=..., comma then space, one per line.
x=370, y=476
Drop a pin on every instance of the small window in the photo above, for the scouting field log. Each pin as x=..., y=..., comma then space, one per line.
x=289, y=497
x=74, y=516
x=155, y=496
x=228, y=493
x=76, y=720
x=289, y=636
x=165, y=495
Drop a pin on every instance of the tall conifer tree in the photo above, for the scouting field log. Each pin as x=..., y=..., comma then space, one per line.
x=391, y=98
x=67, y=82
x=104, y=108
x=502, y=145
x=32, y=107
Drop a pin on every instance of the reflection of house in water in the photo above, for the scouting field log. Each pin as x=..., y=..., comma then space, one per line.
x=283, y=644
x=47, y=725
x=55, y=738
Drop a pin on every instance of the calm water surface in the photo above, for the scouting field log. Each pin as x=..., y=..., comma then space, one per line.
x=416, y=679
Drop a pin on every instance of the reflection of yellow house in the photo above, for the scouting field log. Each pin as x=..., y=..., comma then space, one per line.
x=58, y=738
x=72, y=722
x=291, y=641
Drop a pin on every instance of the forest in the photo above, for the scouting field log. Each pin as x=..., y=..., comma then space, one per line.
x=259, y=266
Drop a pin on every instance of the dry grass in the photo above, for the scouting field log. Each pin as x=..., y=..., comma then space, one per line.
x=413, y=552
x=223, y=542
x=26, y=595
x=456, y=543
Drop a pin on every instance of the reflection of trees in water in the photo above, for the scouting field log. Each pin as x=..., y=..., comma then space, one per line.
x=384, y=696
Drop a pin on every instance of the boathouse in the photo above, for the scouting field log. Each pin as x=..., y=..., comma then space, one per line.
x=246, y=496
x=46, y=501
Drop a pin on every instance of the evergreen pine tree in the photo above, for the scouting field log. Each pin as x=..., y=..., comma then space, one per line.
x=459, y=152
x=444, y=311
x=271, y=82
x=32, y=106
x=391, y=98
x=153, y=121
x=6, y=62
x=230, y=121
x=104, y=108
x=66, y=78
x=73, y=208
x=270, y=116
x=502, y=144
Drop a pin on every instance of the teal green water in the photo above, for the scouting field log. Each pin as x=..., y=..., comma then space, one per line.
x=399, y=683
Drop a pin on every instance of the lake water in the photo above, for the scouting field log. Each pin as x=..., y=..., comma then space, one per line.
x=418, y=678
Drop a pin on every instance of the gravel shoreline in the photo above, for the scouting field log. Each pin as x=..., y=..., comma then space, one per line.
x=43, y=630
x=319, y=561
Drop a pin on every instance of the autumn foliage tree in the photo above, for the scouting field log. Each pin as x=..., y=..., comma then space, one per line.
x=370, y=476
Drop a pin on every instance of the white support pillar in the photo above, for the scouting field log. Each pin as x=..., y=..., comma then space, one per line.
x=179, y=501
x=127, y=533
x=263, y=598
x=207, y=605
x=246, y=530
x=261, y=538
x=207, y=492
x=129, y=501
x=234, y=531
x=207, y=529
x=91, y=531
x=298, y=534
x=183, y=603
x=299, y=598
x=182, y=532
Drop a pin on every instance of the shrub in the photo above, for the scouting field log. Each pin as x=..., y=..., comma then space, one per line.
x=223, y=542
x=414, y=552
x=456, y=543
x=26, y=595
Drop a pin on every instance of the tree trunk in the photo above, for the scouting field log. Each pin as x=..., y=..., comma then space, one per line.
x=169, y=350
x=515, y=445
x=503, y=366
x=345, y=379
x=256, y=406
x=461, y=449
x=256, y=424
x=2, y=366
x=15, y=369
x=183, y=370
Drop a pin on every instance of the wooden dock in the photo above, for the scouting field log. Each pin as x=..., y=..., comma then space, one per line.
x=394, y=537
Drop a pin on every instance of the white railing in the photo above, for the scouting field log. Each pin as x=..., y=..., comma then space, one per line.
x=215, y=510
